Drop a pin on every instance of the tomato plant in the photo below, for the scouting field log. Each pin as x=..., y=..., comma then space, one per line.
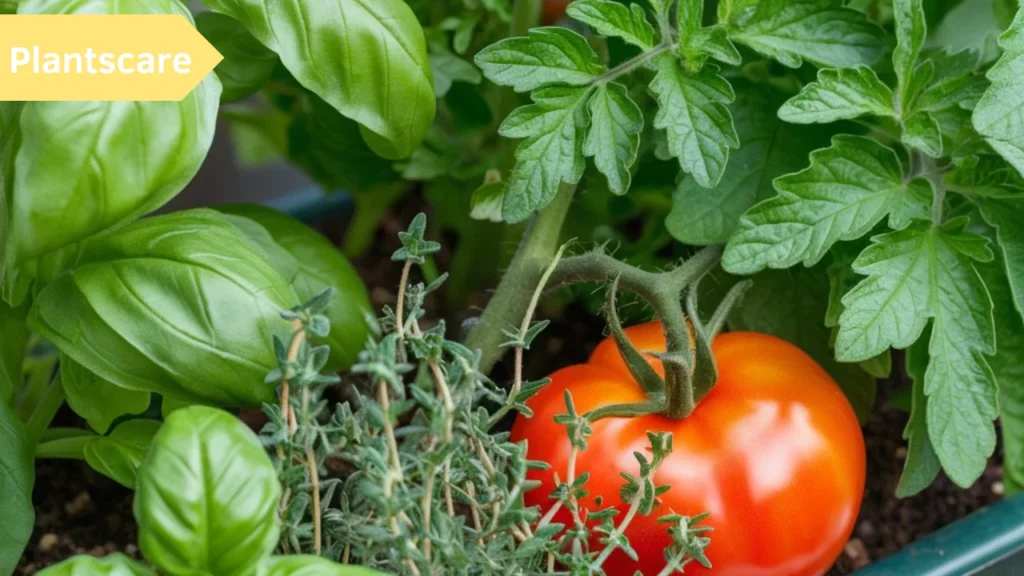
x=553, y=10
x=774, y=453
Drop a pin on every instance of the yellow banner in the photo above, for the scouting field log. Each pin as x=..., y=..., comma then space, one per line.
x=101, y=57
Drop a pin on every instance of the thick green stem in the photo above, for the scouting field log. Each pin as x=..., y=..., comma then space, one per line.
x=507, y=307
x=44, y=412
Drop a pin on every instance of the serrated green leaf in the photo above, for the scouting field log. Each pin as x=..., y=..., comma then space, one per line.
x=921, y=131
x=999, y=115
x=1008, y=367
x=552, y=152
x=839, y=94
x=614, y=136
x=546, y=56
x=610, y=18
x=915, y=203
x=119, y=455
x=910, y=273
x=768, y=148
x=97, y=400
x=911, y=32
x=1007, y=216
x=791, y=304
x=714, y=41
x=922, y=465
x=692, y=109
x=819, y=31
x=985, y=177
x=848, y=188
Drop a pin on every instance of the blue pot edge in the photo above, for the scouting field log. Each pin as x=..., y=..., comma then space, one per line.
x=970, y=544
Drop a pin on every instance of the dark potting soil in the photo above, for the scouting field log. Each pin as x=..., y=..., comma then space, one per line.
x=81, y=512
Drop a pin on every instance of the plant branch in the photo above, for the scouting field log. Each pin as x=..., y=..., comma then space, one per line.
x=508, y=306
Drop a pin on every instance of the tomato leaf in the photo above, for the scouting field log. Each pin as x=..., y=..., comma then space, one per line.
x=1005, y=215
x=614, y=136
x=207, y=496
x=116, y=564
x=546, y=56
x=17, y=475
x=247, y=64
x=692, y=108
x=839, y=94
x=367, y=58
x=911, y=32
x=922, y=131
x=791, y=31
x=922, y=465
x=551, y=153
x=610, y=18
x=768, y=148
x=848, y=189
x=320, y=265
x=909, y=273
x=96, y=400
x=119, y=455
x=191, y=277
x=79, y=167
x=996, y=117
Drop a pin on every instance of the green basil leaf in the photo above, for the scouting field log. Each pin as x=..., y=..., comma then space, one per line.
x=247, y=64
x=193, y=279
x=996, y=117
x=12, y=349
x=10, y=140
x=116, y=564
x=909, y=272
x=922, y=465
x=610, y=18
x=1008, y=367
x=791, y=304
x=551, y=153
x=9, y=6
x=260, y=137
x=17, y=475
x=320, y=265
x=768, y=148
x=614, y=136
x=207, y=496
x=79, y=167
x=96, y=400
x=546, y=56
x=692, y=108
x=846, y=191
x=119, y=455
x=839, y=94
x=367, y=58
x=819, y=31
x=300, y=565
x=911, y=32
x=327, y=145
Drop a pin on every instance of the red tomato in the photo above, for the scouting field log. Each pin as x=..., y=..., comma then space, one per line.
x=774, y=453
x=553, y=10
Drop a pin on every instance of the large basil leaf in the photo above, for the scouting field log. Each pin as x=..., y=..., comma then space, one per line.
x=367, y=58
x=112, y=565
x=247, y=64
x=310, y=566
x=321, y=264
x=80, y=167
x=119, y=455
x=96, y=400
x=183, y=305
x=10, y=139
x=207, y=496
x=12, y=349
x=17, y=475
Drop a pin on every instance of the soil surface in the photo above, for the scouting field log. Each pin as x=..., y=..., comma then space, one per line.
x=81, y=512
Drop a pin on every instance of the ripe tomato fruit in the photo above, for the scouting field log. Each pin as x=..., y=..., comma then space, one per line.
x=553, y=10
x=774, y=453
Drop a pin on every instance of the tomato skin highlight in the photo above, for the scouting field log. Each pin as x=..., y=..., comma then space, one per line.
x=774, y=453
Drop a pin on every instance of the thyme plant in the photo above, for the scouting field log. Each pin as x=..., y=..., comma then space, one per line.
x=411, y=474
